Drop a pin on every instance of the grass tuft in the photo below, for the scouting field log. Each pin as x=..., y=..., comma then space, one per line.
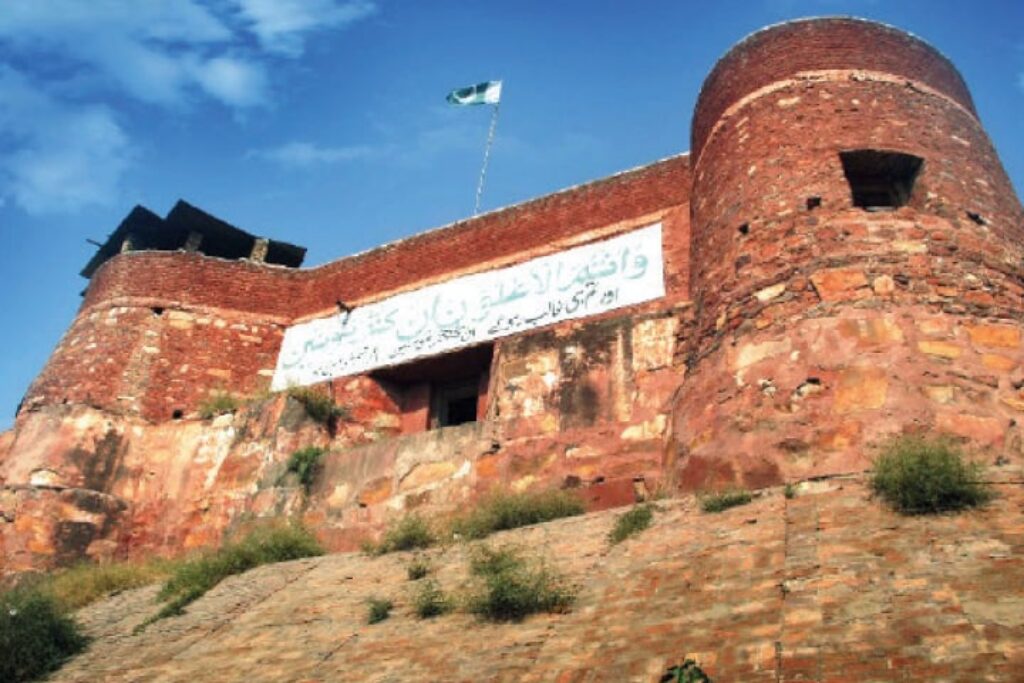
x=717, y=502
x=417, y=569
x=319, y=406
x=631, y=523
x=411, y=532
x=264, y=545
x=85, y=583
x=512, y=588
x=789, y=491
x=306, y=463
x=500, y=511
x=916, y=476
x=430, y=601
x=218, y=404
x=379, y=610
x=36, y=635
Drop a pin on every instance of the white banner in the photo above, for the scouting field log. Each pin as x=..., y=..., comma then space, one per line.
x=621, y=271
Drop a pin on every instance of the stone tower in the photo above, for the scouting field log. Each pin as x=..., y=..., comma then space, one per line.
x=856, y=258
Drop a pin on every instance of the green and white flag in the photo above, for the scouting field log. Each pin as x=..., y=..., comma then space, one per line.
x=488, y=92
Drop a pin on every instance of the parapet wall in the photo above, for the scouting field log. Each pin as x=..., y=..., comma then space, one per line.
x=786, y=51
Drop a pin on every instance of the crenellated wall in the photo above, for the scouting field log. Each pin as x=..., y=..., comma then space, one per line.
x=798, y=331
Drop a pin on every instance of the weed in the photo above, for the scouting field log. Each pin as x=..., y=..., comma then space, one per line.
x=379, y=609
x=412, y=532
x=305, y=463
x=500, y=511
x=688, y=672
x=630, y=523
x=36, y=636
x=218, y=404
x=264, y=545
x=511, y=587
x=417, y=569
x=725, y=500
x=917, y=476
x=789, y=491
x=319, y=406
x=430, y=601
x=717, y=502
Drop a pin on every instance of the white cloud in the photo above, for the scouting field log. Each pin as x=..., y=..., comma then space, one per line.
x=306, y=155
x=281, y=25
x=62, y=147
x=234, y=82
x=63, y=158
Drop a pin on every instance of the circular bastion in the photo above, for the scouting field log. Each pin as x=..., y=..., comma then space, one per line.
x=856, y=259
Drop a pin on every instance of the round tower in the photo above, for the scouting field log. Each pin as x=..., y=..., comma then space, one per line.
x=856, y=259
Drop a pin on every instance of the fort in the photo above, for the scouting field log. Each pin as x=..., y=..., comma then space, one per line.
x=838, y=258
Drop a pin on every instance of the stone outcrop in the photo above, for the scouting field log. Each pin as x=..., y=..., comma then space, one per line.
x=827, y=586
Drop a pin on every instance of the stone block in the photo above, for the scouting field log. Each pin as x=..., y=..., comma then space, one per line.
x=983, y=431
x=940, y=348
x=1003, y=336
x=840, y=284
x=861, y=388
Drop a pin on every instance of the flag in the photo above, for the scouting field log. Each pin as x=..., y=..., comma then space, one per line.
x=488, y=92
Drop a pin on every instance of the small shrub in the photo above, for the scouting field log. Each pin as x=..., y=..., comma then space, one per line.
x=379, y=610
x=305, y=463
x=218, y=404
x=319, y=406
x=264, y=545
x=688, y=672
x=789, y=491
x=717, y=502
x=412, y=532
x=500, y=511
x=430, y=601
x=36, y=636
x=512, y=588
x=417, y=569
x=630, y=523
x=917, y=476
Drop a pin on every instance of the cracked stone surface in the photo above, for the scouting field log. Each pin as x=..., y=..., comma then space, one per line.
x=827, y=586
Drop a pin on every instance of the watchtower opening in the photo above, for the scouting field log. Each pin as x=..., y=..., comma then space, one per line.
x=880, y=179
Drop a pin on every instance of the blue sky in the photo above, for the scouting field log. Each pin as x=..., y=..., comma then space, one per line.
x=323, y=122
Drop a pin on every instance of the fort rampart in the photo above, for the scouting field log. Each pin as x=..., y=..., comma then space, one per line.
x=843, y=260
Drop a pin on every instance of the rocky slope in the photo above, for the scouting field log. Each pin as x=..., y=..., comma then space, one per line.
x=827, y=586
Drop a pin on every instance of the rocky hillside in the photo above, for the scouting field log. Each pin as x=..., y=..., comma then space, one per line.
x=826, y=586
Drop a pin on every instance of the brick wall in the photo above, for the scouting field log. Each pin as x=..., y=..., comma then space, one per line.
x=820, y=44
x=158, y=332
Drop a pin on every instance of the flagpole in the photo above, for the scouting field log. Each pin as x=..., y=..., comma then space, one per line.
x=487, y=155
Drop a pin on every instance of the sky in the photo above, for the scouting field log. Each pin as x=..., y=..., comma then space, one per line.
x=323, y=122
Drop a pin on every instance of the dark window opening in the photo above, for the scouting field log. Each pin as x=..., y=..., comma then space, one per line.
x=455, y=404
x=744, y=229
x=813, y=203
x=976, y=217
x=157, y=310
x=879, y=179
x=440, y=391
x=177, y=414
